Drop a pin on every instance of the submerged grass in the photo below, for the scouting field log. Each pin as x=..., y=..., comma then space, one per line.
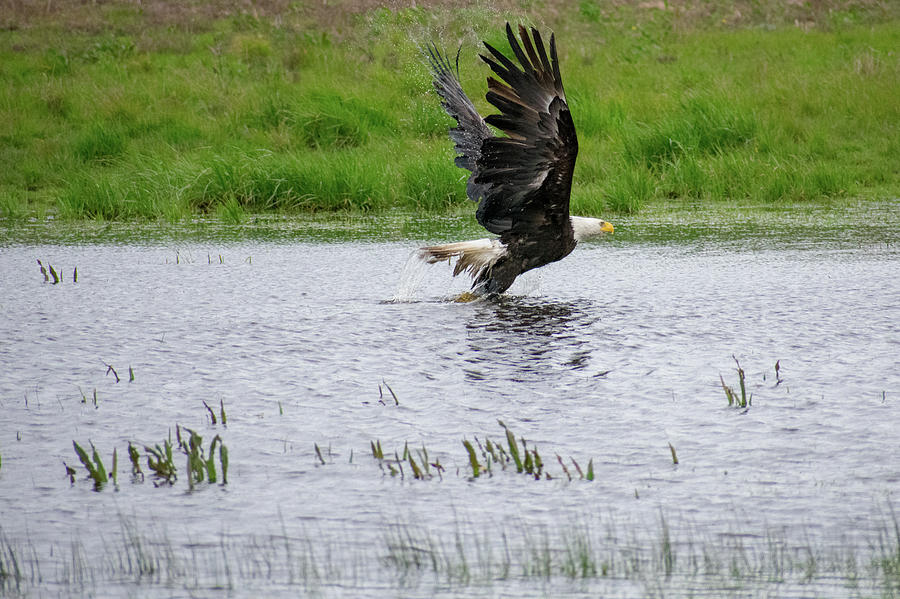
x=131, y=117
x=597, y=555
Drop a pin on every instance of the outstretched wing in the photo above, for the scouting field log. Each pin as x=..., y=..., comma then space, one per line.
x=526, y=177
x=471, y=130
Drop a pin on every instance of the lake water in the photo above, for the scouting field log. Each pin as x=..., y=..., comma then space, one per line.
x=303, y=330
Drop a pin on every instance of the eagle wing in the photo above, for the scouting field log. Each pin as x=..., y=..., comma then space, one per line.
x=521, y=180
x=526, y=176
x=471, y=130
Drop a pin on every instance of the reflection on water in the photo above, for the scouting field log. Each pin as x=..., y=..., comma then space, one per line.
x=527, y=338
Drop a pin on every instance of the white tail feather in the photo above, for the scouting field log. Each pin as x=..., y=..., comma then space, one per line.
x=473, y=257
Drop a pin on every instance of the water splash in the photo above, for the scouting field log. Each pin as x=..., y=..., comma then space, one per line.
x=415, y=270
x=410, y=279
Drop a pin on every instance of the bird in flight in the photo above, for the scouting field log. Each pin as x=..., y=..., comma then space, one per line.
x=521, y=180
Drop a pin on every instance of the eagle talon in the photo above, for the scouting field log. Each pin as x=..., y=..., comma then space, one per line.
x=465, y=297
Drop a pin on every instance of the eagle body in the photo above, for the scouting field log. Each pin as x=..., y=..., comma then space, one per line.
x=521, y=180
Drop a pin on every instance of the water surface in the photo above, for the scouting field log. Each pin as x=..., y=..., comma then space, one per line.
x=299, y=327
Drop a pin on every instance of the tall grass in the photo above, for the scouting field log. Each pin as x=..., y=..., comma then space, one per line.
x=698, y=127
x=599, y=555
x=125, y=118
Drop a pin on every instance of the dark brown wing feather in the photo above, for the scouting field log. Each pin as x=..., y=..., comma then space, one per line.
x=523, y=180
x=526, y=176
x=471, y=130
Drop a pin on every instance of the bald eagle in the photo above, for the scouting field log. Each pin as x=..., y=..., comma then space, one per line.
x=521, y=180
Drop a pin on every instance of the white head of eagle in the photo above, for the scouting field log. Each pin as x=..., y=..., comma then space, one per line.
x=521, y=180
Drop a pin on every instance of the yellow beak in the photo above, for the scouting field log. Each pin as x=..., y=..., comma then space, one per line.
x=607, y=227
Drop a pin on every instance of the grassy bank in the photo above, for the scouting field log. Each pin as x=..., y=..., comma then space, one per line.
x=121, y=111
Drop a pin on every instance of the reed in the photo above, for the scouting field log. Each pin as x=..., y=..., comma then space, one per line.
x=412, y=557
x=11, y=574
x=48, y=271
x=391, y=391
x=473, y=458
x=418, y=461
x=319, y=454
x=674, y=455
x=744, y=401
x=212, y=415
x=482, y=458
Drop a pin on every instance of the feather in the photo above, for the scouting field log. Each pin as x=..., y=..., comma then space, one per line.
x=473, y=257
x=522, y=179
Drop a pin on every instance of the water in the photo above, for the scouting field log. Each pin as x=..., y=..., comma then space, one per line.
x=609, y=356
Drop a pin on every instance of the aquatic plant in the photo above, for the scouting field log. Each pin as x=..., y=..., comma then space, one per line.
x=579, y=560
x=201, y=465
x=473, y=458
x=109, y=369
x=391, y=391
x=650, y=559
x=481, y=459
x=115, y=468
x=48, y=271
x=378, y=454
x=70, y=473
x=94, y=466
x=212, y=415
x=135, y=457
x=160, y=463
x=581, y=474
x=733, y=400
x=674, y=455
x=527, y=461
x=418, y=473
x=319, y=454
x=657, y=557
x=419, y=462
x=53, y=273
x=84, y=398
x=563, y=466
x=666, y=549
x=11, y=574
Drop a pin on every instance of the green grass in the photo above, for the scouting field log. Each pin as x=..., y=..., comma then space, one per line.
x=94, y=465
x=483, y=459
x=733, y=400
x=200, y=465
x=598, y=555
x=114, y=115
